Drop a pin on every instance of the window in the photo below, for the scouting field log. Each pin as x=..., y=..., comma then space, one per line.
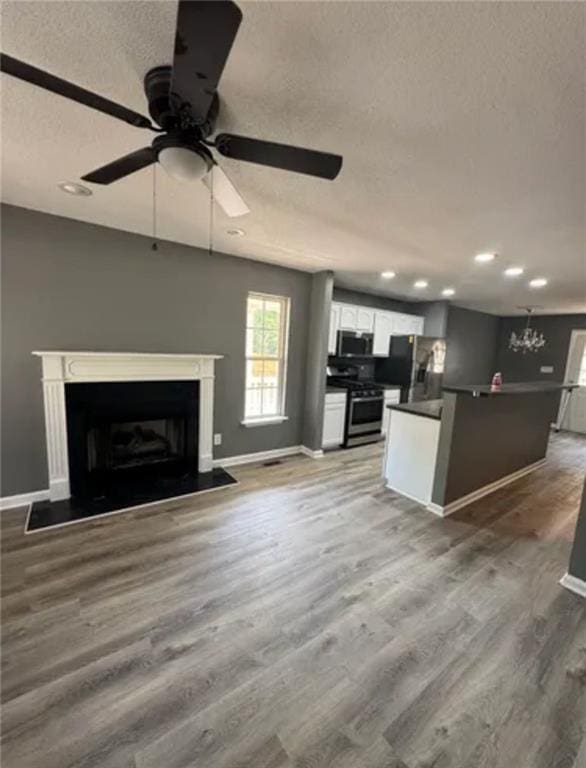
x=267, y=331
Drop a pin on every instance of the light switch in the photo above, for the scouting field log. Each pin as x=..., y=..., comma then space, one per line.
x=218, y=438
x=546, y=369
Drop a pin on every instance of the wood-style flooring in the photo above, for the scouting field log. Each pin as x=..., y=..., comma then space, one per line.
x=305, y=618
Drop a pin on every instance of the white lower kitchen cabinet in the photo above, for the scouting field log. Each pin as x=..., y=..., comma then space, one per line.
x=334, y=419
x=392, y=396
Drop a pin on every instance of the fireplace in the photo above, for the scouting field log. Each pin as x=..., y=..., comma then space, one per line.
x=124, y=430
x=131, y=434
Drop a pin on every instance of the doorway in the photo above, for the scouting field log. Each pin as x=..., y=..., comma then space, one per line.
x=574, y=418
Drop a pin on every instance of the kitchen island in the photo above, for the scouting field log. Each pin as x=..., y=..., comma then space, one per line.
x=447, y=453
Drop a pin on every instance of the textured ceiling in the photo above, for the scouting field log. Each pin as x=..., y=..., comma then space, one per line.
x=462, y=127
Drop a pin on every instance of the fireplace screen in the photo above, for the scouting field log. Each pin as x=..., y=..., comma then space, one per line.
x=135, y=443
x=130, y=434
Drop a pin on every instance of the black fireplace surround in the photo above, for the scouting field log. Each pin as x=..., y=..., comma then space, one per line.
x=131, y=434
x=129, y=444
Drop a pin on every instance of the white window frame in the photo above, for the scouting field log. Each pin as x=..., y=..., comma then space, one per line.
x=283, y=357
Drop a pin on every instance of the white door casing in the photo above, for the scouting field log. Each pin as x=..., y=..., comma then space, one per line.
x=61, y=368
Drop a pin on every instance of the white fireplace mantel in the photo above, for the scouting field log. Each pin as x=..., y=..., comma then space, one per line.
x=63, y=367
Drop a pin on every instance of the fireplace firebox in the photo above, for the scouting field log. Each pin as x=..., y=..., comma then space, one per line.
x=124, y=435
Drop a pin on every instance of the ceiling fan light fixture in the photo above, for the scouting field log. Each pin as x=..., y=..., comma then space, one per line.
x=184, y=163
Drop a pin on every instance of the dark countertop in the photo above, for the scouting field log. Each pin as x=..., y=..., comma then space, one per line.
x=521, y=388
x=430, y=409
x=335, y=390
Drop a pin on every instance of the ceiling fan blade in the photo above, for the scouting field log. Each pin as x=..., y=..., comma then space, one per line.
x=124, y=166
x=205, y=32
x=49, y=82
x=225, y=193
x=309, y=161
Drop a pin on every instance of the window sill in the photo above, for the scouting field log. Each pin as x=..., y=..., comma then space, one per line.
x=263, y=422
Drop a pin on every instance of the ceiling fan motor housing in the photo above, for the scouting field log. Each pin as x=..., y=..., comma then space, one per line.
x=169, y=114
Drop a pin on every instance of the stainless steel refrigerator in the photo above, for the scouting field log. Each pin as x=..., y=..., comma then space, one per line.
x=416, y=364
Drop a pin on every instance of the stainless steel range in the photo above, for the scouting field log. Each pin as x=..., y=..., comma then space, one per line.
x=364, y=409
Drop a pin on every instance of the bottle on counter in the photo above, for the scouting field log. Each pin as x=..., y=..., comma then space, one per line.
x=497, y=382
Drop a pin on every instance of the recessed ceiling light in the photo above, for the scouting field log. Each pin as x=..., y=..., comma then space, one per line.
x=420, y=284
x=484, y=257
x=388, y=275
x=514, y=271
x=236, y=232
x=448, y=292
x=538, y=282
x=74, y=189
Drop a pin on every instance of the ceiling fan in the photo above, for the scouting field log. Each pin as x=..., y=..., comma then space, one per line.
x=183, y=103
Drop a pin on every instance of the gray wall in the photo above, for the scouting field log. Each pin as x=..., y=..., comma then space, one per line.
x=436, y=317
x=557, y=330
x=317, y=357
x=578, y=557
x=472, y=339
x=485, y=438
x=70, y=285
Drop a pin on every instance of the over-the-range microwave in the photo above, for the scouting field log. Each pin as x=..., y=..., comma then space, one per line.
x=354, y=344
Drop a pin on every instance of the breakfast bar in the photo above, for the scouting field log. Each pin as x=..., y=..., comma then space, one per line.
x=447, y=453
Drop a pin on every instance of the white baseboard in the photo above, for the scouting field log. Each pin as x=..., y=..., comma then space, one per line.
x=574, y=584
x=249, y=458
x=23, y=499
x=407, y=495
x=463, y=501
x=311, y=453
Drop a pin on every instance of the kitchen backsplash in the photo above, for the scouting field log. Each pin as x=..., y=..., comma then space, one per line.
x=365, y=365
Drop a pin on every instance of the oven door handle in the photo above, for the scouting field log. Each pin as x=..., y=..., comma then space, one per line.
x=367, y=399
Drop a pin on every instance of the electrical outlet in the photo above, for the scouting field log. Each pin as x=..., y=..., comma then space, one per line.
x=546, y=369
x=218, y=438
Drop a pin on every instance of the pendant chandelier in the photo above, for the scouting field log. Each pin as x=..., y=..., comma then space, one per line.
x=528, y=340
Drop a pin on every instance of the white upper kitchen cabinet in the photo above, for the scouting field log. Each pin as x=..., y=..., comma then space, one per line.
x=365, y=319
x=334, y=326
x=348, y=317
x=383, y=329
x=354, y=318
x=407, y=325
x=415, y=325
x=401, y=324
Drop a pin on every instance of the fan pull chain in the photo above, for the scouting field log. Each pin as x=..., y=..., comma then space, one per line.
x=211, y=232
x=154, y=246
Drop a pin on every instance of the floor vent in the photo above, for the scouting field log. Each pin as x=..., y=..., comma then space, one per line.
x=272, y=462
